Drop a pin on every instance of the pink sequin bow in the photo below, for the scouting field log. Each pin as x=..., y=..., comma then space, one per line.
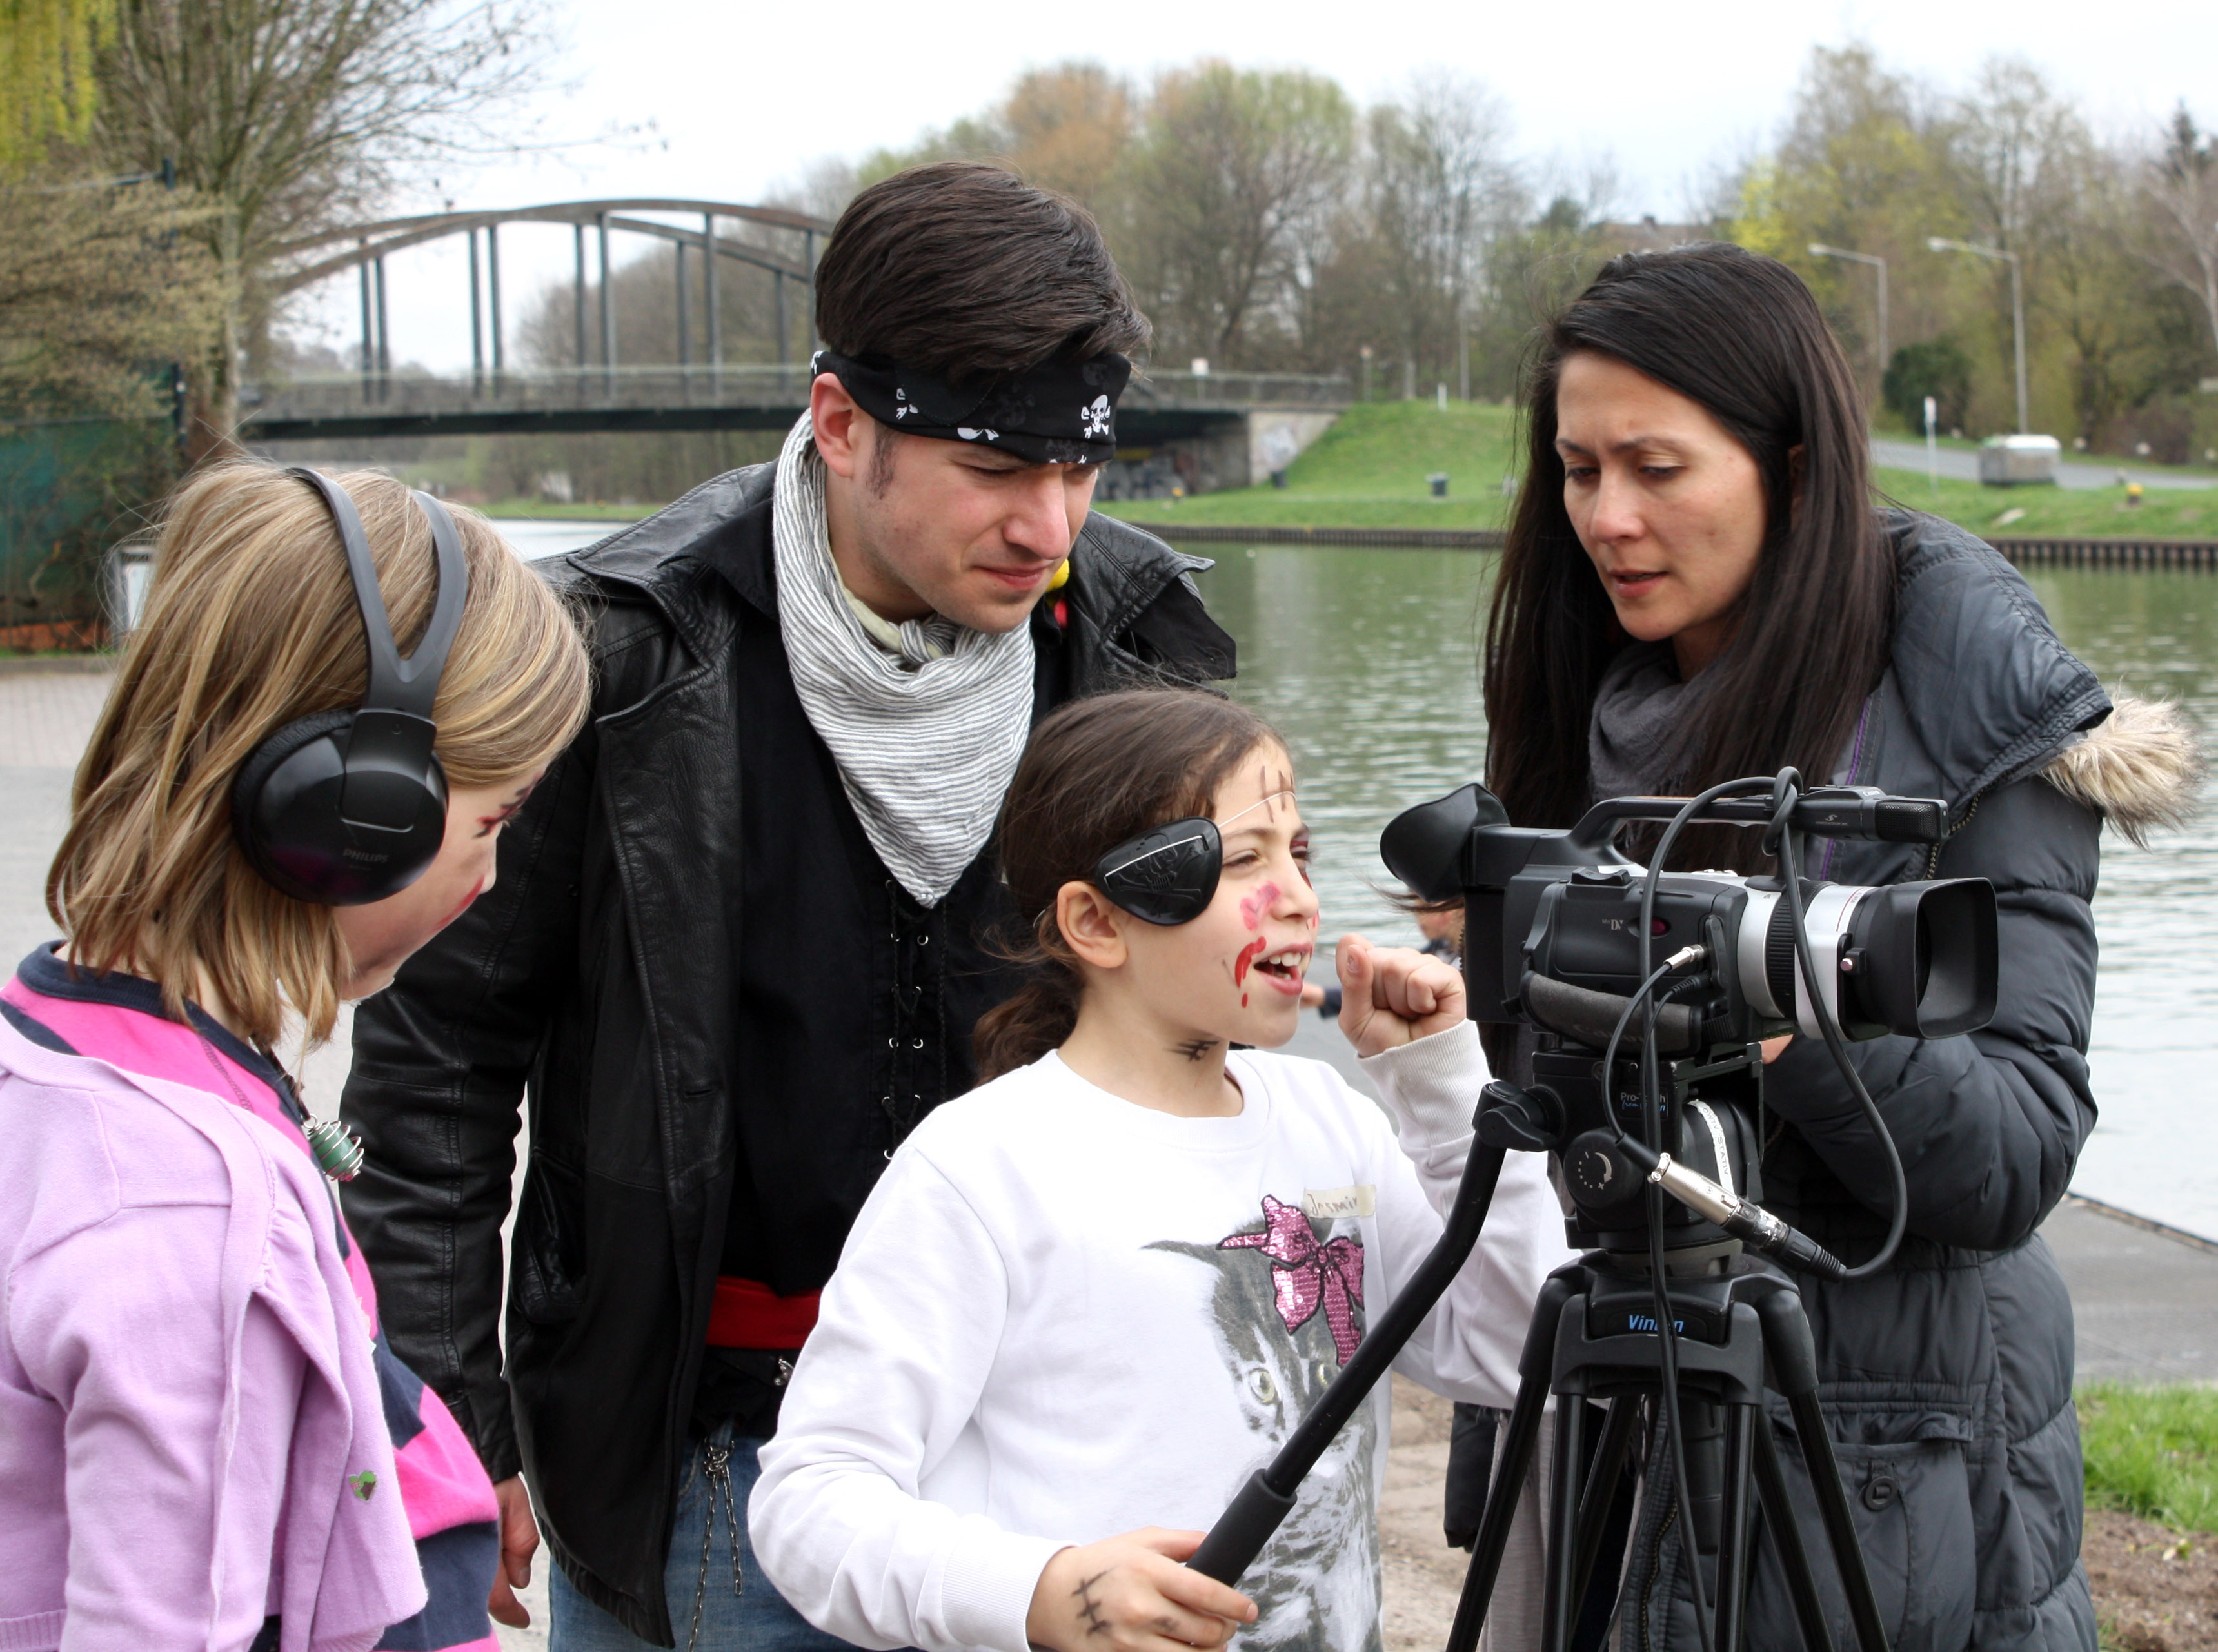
x=1307, y=1275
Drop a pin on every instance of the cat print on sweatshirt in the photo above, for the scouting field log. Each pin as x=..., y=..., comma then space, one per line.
x=1287, y=1306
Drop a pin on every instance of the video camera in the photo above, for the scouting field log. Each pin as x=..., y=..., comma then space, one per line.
x=1555, y=923
x=1560, y=934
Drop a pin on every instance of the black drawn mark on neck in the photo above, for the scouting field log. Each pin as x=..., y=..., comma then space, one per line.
x=1194, y=1049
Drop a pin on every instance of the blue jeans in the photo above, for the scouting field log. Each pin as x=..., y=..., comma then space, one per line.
x=720, y=1601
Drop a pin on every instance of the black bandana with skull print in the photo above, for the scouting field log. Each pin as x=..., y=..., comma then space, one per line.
x=1055, y=413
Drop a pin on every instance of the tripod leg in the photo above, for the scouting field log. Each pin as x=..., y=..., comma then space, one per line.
x=1600, y=1493
x=1559, y=1598
x=1793, y=1558
x=1794, y=1363
x=1513, y=1457
x=1733, y=1529
x=1840, y=1527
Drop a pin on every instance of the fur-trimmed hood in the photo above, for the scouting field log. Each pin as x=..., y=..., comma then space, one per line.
x=1988, y=694
x=2141, y=766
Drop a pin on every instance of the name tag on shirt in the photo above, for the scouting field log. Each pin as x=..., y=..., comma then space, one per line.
x=1323, y=1204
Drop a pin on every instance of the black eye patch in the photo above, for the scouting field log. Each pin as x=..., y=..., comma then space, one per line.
x=1167, y=875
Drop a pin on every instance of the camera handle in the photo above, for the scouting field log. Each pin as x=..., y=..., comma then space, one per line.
x=1818, y=812
x=1506, y=1118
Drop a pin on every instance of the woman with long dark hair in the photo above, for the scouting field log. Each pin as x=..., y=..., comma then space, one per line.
x=1697, y=585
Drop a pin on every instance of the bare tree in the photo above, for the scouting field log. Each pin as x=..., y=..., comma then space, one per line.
x=1068, y=127
x=1439, y=188
x=1234, y=176
x=2181, y=188
x=285, y=116
x=2017, y=147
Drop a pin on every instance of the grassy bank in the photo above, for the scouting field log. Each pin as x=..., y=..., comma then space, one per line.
x=2153, y=1452
x=1369, y=471
x=2054, y=512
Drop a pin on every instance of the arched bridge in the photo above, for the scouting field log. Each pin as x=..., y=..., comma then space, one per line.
x=1248, y=420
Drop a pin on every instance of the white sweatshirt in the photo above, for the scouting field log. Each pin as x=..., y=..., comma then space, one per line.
x=1060, y=1316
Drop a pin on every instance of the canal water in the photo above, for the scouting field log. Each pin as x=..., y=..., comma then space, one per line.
x=1366, y=660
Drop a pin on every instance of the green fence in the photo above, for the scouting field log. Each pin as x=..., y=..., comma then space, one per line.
x=69, y=491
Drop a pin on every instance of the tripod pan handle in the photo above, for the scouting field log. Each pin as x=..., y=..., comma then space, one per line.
x=1241, y=1531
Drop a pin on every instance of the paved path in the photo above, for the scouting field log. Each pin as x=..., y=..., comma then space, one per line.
x=2144, y=1299
x=2146, y=1303
x=1961, y=465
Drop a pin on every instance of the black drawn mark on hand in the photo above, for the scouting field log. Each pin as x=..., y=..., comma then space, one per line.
x=1088, y=1608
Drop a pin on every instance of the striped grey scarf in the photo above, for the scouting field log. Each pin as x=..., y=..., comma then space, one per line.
x=927, y=742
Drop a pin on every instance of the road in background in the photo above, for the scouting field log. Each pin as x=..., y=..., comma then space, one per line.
x=1962, y=465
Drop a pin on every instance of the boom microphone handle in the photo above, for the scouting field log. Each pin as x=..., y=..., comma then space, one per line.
x=1268, y=1497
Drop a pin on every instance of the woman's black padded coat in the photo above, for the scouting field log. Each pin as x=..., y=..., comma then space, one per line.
x=1947, y=1378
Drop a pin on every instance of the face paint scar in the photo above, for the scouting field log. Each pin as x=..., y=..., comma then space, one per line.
x=1253, y=908
x=1249, y=954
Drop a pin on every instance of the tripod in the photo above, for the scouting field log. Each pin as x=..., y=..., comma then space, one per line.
x=1593, y=1334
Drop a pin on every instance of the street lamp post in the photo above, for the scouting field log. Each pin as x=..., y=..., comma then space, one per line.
x=1942, y=244
x=1820, y=249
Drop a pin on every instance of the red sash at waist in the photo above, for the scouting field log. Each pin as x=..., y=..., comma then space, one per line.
x=748, y=1313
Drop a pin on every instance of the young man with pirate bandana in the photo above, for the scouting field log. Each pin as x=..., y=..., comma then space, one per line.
x=739, y=935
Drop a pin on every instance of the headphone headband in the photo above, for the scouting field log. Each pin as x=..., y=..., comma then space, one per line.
x=407, y=685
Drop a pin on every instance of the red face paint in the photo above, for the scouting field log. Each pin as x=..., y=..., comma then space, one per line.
x=1253, y=908
x=1249, y=954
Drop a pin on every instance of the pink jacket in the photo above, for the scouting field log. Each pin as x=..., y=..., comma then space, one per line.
x=182, y=1357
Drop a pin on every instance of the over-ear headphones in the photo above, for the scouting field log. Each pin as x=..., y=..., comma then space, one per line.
x=1167, y=875
x=344, y=807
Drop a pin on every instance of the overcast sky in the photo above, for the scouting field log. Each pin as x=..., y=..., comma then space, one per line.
x=742, y=96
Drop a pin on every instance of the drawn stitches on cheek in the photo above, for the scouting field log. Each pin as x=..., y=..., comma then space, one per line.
x=1253, y=908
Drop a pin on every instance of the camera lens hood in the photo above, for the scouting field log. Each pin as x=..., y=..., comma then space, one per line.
x=1924, y=957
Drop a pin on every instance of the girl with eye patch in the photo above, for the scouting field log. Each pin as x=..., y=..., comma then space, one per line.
x=1087, y=1300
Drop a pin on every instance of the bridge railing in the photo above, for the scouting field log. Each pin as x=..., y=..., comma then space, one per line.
x=734, y=385
x=1240, y=389
x=560, y=388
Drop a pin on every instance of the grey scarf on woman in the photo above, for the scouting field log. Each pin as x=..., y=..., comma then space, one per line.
x=1636, y=742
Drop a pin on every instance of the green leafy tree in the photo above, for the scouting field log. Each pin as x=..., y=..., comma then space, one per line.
x=1860, y=164
x=47, y=91
x=1938, y=368
x=101, y=288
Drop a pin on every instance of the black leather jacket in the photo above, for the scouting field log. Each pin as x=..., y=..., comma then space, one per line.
x=598, y=972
